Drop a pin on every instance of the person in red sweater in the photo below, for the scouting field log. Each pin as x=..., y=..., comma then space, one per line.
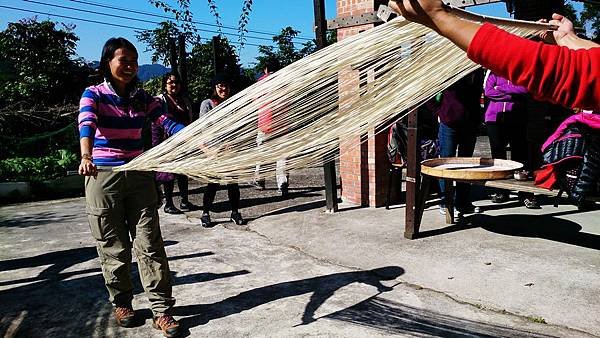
x=266, y=128
x=558, y=73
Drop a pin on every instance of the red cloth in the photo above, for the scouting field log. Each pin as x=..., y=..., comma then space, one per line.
x=550, y=73
x=545, y=177
x=265, y=114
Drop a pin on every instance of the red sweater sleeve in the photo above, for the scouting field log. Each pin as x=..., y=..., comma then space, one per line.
x=550, y=73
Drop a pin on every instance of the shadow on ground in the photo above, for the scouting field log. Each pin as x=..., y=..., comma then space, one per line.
x=59, y=303
x=549, y=227
x=395, y=318
x=320, y=288
x=37, y=219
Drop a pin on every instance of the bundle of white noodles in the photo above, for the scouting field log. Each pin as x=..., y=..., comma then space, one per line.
x=390, y=68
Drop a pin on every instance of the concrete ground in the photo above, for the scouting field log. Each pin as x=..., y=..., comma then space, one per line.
x=295, y=271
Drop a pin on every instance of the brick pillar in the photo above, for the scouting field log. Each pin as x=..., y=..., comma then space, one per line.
x=363, y=168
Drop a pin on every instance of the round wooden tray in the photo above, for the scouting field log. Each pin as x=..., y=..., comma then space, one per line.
x=469, y=168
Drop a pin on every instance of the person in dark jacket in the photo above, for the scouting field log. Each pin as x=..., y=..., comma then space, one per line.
x=179, y=109
x=460, y=117
x=221, y=92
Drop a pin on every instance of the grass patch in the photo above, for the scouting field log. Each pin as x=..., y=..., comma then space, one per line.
x=538, y=320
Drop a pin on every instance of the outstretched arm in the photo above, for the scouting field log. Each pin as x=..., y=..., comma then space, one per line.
x=433, y=14
x=551, y=73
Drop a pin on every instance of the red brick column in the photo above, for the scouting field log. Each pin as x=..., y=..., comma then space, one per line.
x=363, y=167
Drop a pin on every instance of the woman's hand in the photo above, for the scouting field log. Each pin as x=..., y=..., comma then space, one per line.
x=424, y=12
x=87, y=167
x=559, y=36
x=565, y=35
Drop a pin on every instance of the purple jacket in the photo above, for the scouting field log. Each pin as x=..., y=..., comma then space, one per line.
x=503, y=96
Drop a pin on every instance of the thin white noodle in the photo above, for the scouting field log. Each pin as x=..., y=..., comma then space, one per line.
x=382, y=71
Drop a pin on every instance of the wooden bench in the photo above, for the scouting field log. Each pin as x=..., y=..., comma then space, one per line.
x=507, y=184
x=417, y=189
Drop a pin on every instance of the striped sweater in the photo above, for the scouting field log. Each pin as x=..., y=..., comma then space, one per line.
x=115, y=123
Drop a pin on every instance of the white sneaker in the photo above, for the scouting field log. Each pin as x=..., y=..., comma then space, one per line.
x=442, y=211
x=470, y=209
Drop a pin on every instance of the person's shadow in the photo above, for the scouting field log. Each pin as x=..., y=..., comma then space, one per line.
x=29, y=305
x=321, y=288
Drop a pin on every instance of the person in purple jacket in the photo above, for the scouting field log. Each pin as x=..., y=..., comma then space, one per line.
x=178, y=108
x=506, y=123
x=122, y=205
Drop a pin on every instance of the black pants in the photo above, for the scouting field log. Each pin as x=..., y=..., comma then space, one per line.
x=233, y=192
x=508, y=131
x=182, y=183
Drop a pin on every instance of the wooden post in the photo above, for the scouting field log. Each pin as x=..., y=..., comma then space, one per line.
x=329, y=167
x=173, y=55
x=182, y=67
x=413, y=177
x=217, y=64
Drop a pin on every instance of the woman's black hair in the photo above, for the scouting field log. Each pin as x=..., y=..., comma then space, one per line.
x=219, y=78
x=108, y=52
x=166, y=77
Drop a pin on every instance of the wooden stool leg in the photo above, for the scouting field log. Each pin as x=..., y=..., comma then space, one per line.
x=389, y=188
x=400, y=199
x=422, y=199
x=449, y=193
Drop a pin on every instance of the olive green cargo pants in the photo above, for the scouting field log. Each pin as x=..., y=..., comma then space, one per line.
x=121, y=207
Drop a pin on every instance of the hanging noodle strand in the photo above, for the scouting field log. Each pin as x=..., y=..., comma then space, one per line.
x=318, y=104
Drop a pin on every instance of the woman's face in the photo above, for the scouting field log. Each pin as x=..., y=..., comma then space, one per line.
x=222, y=90
x=172, y=86
x=123, y=66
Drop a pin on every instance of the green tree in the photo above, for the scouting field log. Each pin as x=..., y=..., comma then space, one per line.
x=201, y=68
x=591, y=16
x=41, y=80
x=157, y=40
x=285, y=52
x=39, y=65
x=570, y=12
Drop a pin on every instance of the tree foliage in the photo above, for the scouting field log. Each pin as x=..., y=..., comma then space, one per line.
x=212, y=6
x=591, y=16
x=157, y=40
x=570, y=12
x=243, y=22
x=285, y=52
x=201, y=68
x=183, y=15
x=41, y=80
x=588, y=19
x=38, y=64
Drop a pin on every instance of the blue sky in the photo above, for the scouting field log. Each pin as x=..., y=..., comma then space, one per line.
x=268, y=16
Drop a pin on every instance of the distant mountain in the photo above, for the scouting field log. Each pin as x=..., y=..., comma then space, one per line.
x=145, y=72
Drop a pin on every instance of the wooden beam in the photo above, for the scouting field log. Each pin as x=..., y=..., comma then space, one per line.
x=413, y=177
x=329, y=167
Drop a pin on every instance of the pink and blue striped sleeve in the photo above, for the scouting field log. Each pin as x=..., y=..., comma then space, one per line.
x=158, y=116
x=87, y=118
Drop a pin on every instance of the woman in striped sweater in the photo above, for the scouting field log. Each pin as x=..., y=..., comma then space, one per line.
x=122, y=206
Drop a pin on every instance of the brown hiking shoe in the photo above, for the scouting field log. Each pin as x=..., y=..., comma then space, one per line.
x=125, y=316
x=167, y=324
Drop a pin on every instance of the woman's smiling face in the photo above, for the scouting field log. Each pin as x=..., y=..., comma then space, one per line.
x=172, y=85
x=124, y=66
x=222, y=90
